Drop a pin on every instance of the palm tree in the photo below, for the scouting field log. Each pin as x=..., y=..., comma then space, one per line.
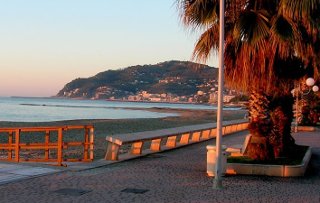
x=268, y=46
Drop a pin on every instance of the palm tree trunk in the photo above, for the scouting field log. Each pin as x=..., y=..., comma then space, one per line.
x=270, y=126
x=282, y=115
x=260, y=127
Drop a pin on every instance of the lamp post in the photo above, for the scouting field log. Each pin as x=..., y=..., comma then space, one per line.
x=310, y=83
x=217, y=182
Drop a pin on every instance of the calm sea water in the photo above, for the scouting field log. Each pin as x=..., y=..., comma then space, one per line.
x=51, y=109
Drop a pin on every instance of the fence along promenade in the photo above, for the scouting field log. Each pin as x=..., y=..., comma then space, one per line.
x=52, y=145
x=130, y=145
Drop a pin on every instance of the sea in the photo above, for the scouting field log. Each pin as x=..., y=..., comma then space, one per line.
x=30, y=109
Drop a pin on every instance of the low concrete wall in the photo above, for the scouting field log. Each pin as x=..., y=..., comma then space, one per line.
x=165, y=139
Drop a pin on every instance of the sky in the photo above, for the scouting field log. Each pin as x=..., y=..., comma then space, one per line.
x=45, y=44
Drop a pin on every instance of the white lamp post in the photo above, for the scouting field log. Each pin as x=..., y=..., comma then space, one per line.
x=310, y=83
x=217, y=182
x=315, y=88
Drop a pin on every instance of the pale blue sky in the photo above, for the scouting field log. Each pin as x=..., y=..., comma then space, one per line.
x=46, y=43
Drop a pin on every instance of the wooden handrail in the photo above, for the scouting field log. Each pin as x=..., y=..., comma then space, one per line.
x=14, y=146
x=50, y=128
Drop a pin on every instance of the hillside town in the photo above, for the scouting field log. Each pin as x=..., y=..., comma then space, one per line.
x=207, y=93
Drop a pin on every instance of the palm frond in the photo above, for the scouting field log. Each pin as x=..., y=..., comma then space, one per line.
x=258, y=33
x=252, y=26
x=207, y=44
x=284, y=28
x=285, y=36
x=198, y=13
x=298, y=9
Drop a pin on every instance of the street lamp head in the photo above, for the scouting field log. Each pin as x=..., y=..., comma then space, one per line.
x=310, y=82
x=315, y=88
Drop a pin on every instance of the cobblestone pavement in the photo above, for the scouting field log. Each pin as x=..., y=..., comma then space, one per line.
x=174, y=176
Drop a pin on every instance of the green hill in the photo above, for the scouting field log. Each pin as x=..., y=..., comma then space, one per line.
x=173, y=77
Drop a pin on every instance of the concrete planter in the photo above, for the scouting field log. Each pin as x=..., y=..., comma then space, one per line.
x=211, y=159
x=271, y=170
x=298, y=170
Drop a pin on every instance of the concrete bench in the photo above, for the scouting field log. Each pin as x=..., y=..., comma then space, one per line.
x=167, y=138
x=240, y=150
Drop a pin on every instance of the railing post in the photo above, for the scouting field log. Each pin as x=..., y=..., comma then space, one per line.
x=10, y=145
x=59, y=153
x=46, y=140
x=91, y=143
x=86, y=142
x=17, y=145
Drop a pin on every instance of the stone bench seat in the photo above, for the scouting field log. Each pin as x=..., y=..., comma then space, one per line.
x=240, y=150
x=167, y=138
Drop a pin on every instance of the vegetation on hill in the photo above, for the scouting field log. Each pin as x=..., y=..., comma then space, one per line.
x=172, y=77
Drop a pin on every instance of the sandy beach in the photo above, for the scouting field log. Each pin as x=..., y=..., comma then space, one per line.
x=105, y=127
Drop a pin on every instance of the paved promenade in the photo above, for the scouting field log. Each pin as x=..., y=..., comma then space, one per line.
x=174, y=176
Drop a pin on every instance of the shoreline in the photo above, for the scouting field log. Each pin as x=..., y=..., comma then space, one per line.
x=105, y=127
x=226, y=105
